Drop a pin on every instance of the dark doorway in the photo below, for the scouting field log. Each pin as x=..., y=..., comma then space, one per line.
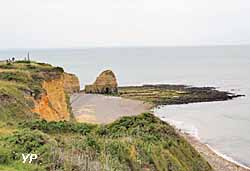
x=107, y=90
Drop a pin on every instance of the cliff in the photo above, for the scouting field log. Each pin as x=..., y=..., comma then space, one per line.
x=71, y=83
x=43, y=89
x=53, y=104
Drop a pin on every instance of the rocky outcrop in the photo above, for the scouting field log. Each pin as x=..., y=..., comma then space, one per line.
x=71, y=83
x=105, y=84
x=53, y=104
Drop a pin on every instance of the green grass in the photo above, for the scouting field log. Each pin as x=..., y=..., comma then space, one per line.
x=141, y=142
x=13, y=104
x=19, y=166
x=17, y=76
x=20, y=82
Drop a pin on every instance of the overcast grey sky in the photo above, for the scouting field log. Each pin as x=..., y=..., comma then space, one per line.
x=86, y=23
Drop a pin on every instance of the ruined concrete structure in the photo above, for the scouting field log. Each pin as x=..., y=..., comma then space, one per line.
x=105, y=84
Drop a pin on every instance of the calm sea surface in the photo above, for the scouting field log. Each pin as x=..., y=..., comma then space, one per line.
x=225, y=126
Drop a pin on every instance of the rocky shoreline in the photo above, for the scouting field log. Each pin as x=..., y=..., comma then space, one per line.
x=166, y=94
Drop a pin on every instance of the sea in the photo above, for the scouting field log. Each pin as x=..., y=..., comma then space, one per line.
x=223, y=126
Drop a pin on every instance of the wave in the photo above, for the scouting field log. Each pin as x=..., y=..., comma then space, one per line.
x=182, y=126
x=226, y=157
x=194, y=132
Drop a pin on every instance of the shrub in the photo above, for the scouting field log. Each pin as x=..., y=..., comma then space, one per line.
x=59, y=127
x=5, y=155
x=131, y=143
x=14, y=76
x=23, y=62
x=28, y=141
x=58, y=69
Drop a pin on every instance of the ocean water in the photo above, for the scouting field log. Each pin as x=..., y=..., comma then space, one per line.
x=225, y=126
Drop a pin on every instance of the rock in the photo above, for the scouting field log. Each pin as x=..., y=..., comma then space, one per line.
x=71, y=83
x=105, y=84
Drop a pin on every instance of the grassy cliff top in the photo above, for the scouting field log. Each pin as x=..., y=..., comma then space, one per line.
x=23, y=71
x=19, y=82
x=27, y=65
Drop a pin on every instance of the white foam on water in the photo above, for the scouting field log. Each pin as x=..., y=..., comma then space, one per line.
x=185, y=128
x=227, y=157
x=182, y=126
x=193, y=131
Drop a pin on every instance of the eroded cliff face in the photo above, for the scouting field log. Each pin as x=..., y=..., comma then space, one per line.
x=71, y=83
x=54, y=104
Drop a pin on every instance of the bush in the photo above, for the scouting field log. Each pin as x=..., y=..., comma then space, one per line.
x=14, y=76
x=58, y=69
x=28, y=141
x=131, y=143
x=145, y=126
x=5, y=155
x=59, y=127
x=23, y=62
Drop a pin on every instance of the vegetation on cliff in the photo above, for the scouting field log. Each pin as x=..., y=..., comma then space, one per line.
x=23, y=92
x=141, y=142
x=19, y=82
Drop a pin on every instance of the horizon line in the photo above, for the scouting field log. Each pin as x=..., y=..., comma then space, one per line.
x=129, y=46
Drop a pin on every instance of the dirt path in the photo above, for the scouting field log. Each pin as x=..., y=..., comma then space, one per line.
x=95, y=108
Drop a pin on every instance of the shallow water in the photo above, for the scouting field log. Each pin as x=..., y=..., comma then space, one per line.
x=225, y=126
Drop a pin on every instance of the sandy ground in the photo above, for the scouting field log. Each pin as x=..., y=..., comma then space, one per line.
x=95, y=108
x=216, y=161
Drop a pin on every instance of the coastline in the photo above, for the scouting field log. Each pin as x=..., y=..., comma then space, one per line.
x=218, y=161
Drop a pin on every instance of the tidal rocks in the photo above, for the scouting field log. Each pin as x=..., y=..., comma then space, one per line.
x=165, y=94
x=105, y=84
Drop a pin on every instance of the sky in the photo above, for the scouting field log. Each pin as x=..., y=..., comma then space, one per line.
x=95, y=23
